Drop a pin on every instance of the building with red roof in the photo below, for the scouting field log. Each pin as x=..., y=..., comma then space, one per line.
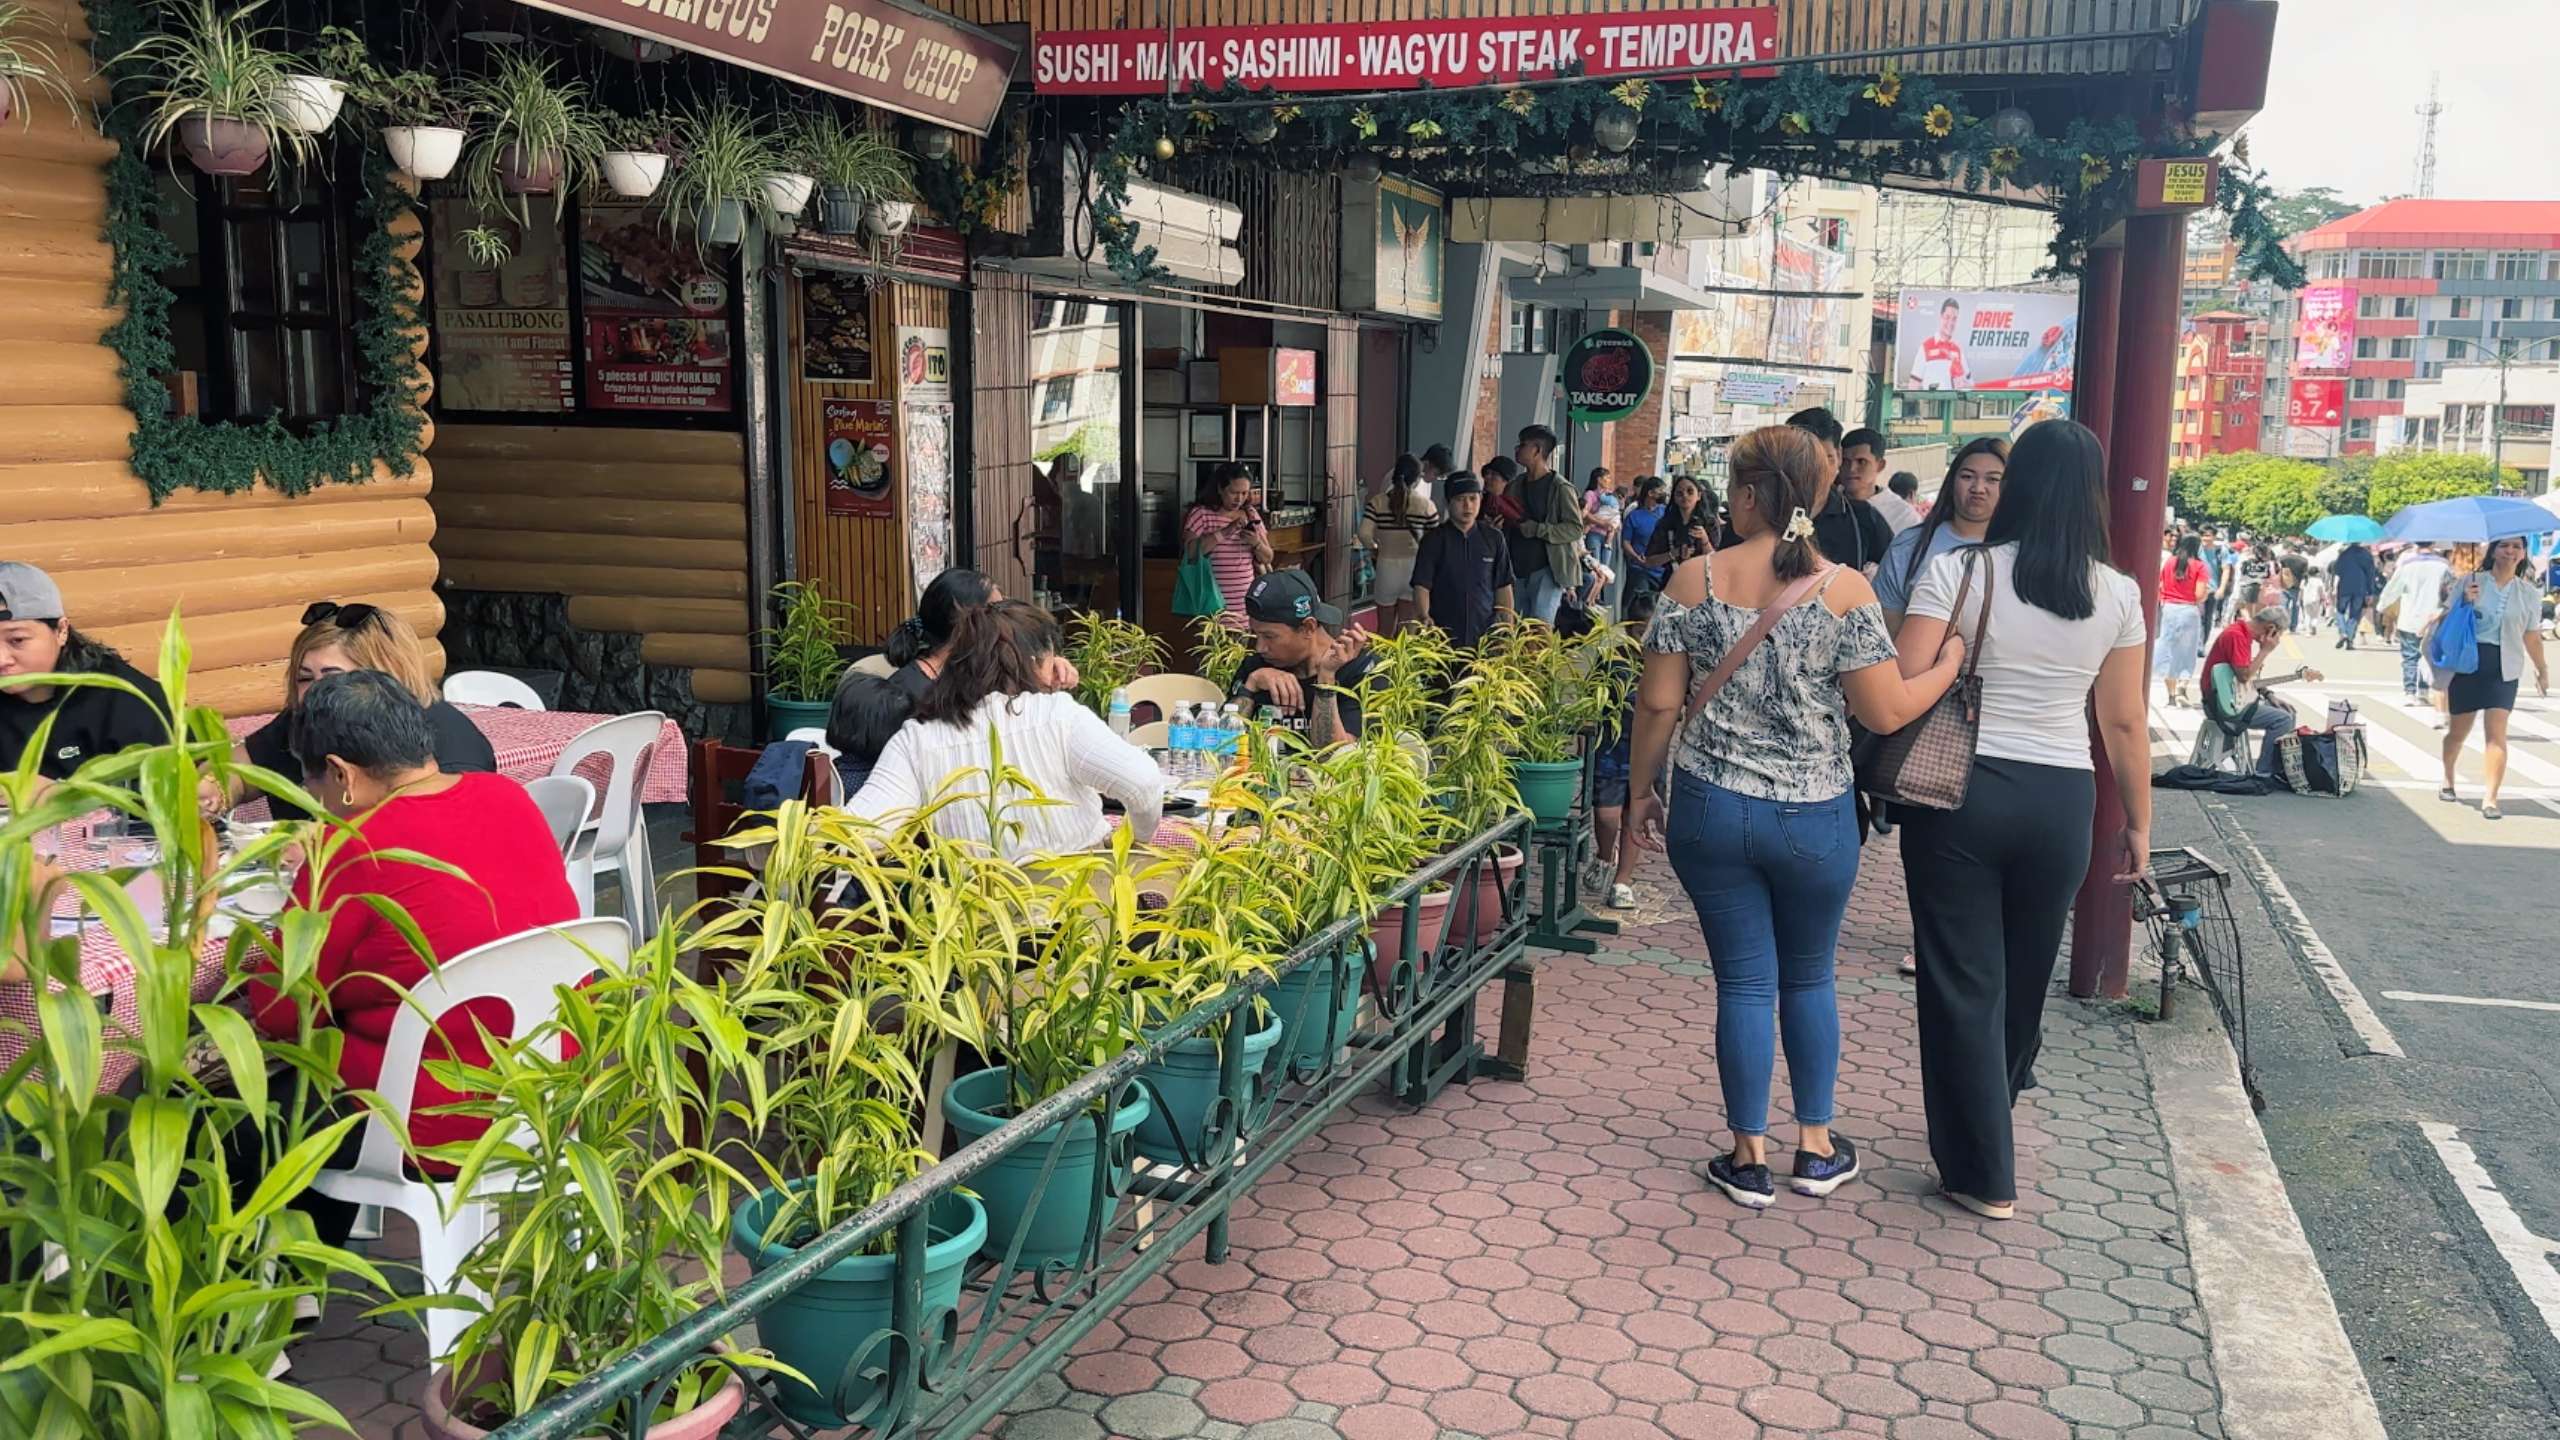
x=2398, y=293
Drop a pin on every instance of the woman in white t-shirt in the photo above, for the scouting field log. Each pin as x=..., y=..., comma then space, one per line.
x=1992, y=882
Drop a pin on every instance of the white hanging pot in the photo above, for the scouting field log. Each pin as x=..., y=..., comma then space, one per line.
x=634, y=174
x=428, y=152
x=890, y=217
x=309, y=103
x=786, y=192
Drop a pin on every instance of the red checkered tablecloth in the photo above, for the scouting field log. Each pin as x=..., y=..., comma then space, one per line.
x=529, y=742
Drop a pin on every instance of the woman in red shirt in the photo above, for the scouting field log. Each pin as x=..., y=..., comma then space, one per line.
x=2182, y=585
x=368, y=753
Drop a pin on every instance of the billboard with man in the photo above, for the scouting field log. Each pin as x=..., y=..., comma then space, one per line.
x=1985, y=340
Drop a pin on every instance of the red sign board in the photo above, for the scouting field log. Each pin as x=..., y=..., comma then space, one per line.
x=1405, y=55
x=1293, y=377
x=2316, y=404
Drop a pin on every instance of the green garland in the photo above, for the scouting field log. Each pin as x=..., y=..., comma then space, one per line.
x=174, y=452
x=1537, y=139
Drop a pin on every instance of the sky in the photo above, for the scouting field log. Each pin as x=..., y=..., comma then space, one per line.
x=2349, y=75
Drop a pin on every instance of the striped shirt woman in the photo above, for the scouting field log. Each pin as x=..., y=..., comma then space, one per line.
x=1225, y=525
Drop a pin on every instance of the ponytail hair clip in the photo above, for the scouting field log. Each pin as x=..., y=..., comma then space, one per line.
x=1799, y=525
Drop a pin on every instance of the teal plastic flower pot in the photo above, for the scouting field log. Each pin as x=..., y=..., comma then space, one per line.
x=781, y=717
x=1311, y=997
x=1186, y=1090
x=840, y=1317
x=1548, y=787
x=1050, y=1220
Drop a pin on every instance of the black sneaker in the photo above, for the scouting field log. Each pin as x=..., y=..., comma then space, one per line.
x=1822, y=1174
x=1743, y=1184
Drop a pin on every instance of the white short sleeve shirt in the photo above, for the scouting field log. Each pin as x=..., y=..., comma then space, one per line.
x=2037, y=668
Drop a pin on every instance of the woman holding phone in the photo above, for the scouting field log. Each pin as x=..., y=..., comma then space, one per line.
x=1226, y=525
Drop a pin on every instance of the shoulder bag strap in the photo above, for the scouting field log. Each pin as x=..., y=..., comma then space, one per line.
x=1741, y=650
x=1980, y=554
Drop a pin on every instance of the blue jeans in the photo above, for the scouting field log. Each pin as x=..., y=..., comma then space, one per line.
x=1771, y=881
x=2413, y=677
x=1539, y=595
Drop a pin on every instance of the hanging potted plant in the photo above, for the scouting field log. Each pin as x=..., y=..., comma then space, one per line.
x=541, y=134
x=856, y=166
x=846, y=1048
x=340, y=65
x=612, y=1223
x=423, y=128
x=788, y=184
x=29, y=64
x=802, y=657
x=727, y=154
x=636, y=163
x=215, y=86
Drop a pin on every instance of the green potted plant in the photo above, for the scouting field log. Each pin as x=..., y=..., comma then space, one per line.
x=1218, y=651
x=856, y=167
x=341, y=68
x=793, y=178
x=613, y=1223
x=423, y=127
x=1108, y=654
x=635, y=162
x=1565, y=688
x=163, y=1301
x=540, y=133
x=727, y=153
x=216, y=85
x=828, y=990
x=803, y=660
x=30, y=65
x=1228, y=912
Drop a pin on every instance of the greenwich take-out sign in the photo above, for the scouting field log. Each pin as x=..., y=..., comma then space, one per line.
x=1405, y=55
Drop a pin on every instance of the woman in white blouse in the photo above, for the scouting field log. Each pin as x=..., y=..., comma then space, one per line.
x=2509, y=606
x=1992, y=882
x=994, y=691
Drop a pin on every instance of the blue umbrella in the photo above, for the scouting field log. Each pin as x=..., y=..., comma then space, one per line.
x=2471, y=520
x=2346, y=529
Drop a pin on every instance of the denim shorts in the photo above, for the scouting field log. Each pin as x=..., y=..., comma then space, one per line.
x=1609, y=776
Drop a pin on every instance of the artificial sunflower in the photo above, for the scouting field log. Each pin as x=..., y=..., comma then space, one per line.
x=2094, y=171
x=1795, y=123
x=1424, y=130
x=1365, y=121
x=2005, y=158
x=1887, y=88
x=1285, y=113
x=1633, y=94
x=1940, y=122
x=1204, y=120
x=1519, y=102
x=1705, y=97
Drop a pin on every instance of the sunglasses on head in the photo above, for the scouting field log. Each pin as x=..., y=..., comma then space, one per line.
x=346, y=617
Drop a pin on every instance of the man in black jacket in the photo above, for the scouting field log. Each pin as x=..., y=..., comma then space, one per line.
x=2357, y=580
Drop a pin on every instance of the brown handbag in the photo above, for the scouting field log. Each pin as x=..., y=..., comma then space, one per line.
x=1929, y=762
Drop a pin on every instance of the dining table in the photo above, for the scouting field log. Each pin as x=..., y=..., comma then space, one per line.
x=528, y=743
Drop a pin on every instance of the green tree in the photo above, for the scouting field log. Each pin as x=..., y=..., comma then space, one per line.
x=2349, y=485
x=2414, y=478
x=2190, y=483
x=2293, y=211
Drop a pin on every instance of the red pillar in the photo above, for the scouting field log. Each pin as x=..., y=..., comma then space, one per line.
x=2137, y=435
x=2093, y=391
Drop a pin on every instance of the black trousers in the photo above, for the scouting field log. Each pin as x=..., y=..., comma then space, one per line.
x=1991, y=888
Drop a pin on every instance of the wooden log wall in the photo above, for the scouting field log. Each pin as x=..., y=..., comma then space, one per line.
x=863, y=559
x=239, y=568
x=644, y=531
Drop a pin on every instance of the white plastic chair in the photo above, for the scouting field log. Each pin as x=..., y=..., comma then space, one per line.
x=616, y=839
x=565, y=801
x=488, y=687
x=1166, y=691
x=875, y=665
x=527, y=971
x=1154, y=735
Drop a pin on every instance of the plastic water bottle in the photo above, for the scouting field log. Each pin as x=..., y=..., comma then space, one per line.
x=1184, y=736
x=1120, y=711
x=1231, y=733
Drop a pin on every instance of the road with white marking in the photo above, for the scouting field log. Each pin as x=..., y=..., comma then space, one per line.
x=2404, y=960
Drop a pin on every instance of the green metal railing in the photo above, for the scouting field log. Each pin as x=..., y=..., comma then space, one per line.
x=951, y=1370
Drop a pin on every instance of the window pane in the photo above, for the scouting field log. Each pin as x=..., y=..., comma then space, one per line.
x=1076, y=453
x=319, y=386
x=306, y=250
x=257, y=256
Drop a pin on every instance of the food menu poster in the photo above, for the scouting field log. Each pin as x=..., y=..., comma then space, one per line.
x=835, y=325
x=861, y=436
x=657, y=316
x=928, y=428
x=502, y=331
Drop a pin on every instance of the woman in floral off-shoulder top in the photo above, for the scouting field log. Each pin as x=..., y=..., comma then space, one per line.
x=1761, y=829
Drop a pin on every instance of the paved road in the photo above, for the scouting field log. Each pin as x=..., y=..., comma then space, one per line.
x=2419, y=1138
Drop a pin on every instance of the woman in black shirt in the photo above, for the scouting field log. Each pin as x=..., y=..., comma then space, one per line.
x=337, y=639
x=36, y=638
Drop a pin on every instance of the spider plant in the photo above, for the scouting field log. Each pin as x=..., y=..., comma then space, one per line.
x=31, y=64
x=212, y=69
x=852, y=157
x=1108, y=654
x=541, y=134
x=486, y=245
x=726, y=153
x=139, y=1295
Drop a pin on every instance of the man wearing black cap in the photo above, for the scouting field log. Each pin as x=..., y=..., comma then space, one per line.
x=1303, y=659
x=1462, y=574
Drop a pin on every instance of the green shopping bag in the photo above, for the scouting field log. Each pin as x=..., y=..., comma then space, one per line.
x=1195, y=588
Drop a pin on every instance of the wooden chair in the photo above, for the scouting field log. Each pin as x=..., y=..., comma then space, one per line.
x=719, y=773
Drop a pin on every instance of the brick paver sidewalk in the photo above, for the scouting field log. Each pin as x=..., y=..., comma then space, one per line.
x=1543, y=1259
